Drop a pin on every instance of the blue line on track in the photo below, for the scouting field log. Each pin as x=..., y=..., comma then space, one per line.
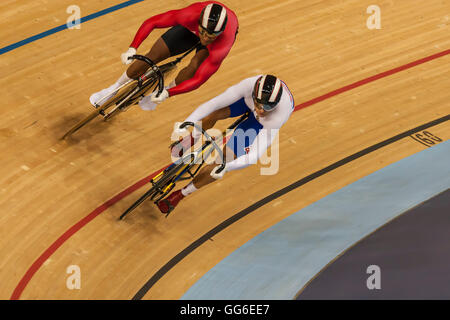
x=64, y=26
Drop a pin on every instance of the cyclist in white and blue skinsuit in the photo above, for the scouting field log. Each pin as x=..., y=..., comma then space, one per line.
x=270, y=104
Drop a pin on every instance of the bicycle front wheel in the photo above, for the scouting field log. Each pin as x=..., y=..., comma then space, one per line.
x=100, y=111
x=159, y=187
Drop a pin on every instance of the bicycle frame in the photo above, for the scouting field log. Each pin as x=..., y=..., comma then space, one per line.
x=199, y=154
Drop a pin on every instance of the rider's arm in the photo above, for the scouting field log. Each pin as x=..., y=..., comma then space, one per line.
x=262, y=141
x=217, y=53
x=207, y=68
x=203, y=73
x=163, y=20
x=230, y=96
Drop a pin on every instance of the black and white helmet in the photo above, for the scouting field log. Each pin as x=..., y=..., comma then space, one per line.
x=213, y=18
x=267, y=91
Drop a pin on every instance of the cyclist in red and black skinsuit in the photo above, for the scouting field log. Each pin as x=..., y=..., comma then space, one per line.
x=209, y=25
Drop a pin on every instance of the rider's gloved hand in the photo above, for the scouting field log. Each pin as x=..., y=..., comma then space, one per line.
x=131, y=52
x=219, y=175
x=158, y=99
x=177, y=131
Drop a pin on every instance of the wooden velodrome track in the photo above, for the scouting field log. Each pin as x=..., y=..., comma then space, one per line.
x=50, y=189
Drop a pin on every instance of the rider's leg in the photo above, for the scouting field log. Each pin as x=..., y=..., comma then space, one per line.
x=157, y=53
x=237, y=146
x=202, y=179
x=210, y=120
x=173, y=42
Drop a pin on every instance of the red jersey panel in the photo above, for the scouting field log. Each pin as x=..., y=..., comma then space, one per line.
x=188, y=18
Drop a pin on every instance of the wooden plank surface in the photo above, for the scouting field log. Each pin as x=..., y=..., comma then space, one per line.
x=315, y=46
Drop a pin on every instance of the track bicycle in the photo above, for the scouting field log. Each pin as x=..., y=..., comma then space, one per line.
x=184, y=168
x=131, y=92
